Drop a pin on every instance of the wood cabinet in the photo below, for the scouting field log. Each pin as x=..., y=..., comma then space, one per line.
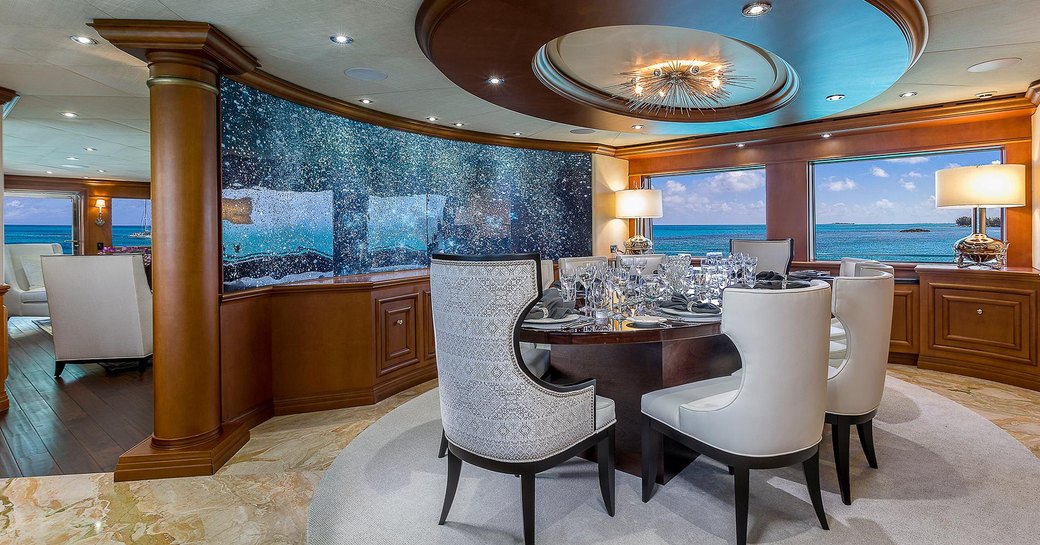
x=397, y=334
x=981, y=323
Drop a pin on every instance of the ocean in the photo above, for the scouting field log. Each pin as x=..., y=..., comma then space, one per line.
x=881, y=241
x=62, y=234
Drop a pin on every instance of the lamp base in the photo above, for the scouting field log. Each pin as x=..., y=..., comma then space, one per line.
x=639, y=245
x=980, y=251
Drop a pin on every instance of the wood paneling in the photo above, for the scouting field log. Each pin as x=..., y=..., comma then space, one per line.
x=245, y=360
x=906, y=320
x=397, y=335
x=787, y=205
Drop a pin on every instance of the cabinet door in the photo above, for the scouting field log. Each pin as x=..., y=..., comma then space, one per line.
x=905, y=320
x=988, y=324
x=398, y=331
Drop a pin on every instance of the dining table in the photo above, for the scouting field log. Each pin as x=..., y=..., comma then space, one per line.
x=628, y=361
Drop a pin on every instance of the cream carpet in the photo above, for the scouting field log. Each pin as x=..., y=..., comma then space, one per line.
x=948, y=476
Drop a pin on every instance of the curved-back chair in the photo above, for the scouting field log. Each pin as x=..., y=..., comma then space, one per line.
x=653, y=261
x=770, y=415
x=773, y=254
x=496, y=414
x=854, y=387
x=569, y=265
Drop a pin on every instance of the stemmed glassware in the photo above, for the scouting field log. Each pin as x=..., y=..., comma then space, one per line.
x=568, y=286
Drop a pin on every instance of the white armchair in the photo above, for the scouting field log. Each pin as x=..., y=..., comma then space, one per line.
x=773, y=255
x=570, y=265
x=101, y=309
x=23, y=272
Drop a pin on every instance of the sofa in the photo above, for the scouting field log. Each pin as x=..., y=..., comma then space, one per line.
x=24, y=273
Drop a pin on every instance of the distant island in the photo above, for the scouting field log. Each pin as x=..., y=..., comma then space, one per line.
x=843, y=223
x=915, y=230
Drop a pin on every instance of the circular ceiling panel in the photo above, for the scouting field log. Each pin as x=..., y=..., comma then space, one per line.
x=558, y=58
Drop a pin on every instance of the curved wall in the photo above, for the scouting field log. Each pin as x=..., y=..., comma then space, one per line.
x=309, y=194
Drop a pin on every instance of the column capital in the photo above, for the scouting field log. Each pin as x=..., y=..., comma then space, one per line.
x=140, y=37
x=1033, y=92
x=6, y=95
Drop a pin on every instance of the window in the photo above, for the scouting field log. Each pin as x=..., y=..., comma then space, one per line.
x=704, y=210
x=131, y=222
x=884, y=207
x=40, y=218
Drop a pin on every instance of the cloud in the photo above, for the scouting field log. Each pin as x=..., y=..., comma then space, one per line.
x=914, y=174
x=672, y=186
x=952, y=165
x=885, y=203
x=908, y=160
x=907, y=185
x=841, y=185
x=737, y=181
x=879, y=172
x=15, y=204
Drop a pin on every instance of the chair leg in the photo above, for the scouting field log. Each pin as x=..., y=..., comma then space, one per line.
x=605, y=456
x=444, y=445
x=866, y=438
x=527, y=498
x=812, y=482
x=454, y=470
x=59, y=366
x=840, y=441
x=741, y=486
x=650, y=452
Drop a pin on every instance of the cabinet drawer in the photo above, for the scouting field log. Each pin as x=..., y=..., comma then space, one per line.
x=398, y=334
x=993, y=323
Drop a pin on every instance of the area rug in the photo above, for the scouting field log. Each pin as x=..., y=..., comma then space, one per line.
x=948, y=476
x=45, y=325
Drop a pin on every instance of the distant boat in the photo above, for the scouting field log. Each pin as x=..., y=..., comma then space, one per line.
x=146, y=224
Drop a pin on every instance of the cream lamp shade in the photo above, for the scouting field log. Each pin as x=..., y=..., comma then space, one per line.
x=638, y=203
x=984, y=186
x=100, y=203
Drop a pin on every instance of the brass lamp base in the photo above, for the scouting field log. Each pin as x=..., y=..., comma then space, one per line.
x=639, y=245
x=981, y=251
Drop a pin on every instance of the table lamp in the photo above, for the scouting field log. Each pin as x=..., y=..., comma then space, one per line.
x=980, y=187
x=639, y=204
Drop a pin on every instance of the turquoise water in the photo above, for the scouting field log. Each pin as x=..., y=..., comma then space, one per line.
x=62, y=234
x=882, y=241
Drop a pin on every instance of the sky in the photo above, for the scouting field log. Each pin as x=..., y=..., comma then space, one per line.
x=892, y=190
x=20, y=210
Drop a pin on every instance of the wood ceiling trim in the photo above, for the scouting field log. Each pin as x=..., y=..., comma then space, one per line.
x=1017, y=105
x=911, y=18
x=7, y=95
x=114, y=188
x=138, y=37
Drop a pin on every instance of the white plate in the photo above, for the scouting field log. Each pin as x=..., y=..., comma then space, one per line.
x=647, y=320
x=688, y=314
x=566, y=319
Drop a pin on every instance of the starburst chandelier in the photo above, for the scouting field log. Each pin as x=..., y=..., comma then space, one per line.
x=679, y=86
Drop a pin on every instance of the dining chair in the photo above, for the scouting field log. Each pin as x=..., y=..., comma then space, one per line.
x=548, y=273
x=852, y=267
x=855, y=386
x=497, y=415
x=570, y=265
x=773, y=255
x=652, y=261
x=769, y=416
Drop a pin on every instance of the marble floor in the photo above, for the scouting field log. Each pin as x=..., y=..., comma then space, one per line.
x=261, y=495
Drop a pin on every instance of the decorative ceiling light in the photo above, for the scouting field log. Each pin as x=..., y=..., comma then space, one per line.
x=365, y=101
x=984, y=95
x=458, y=124
x=495, y=80
x=71, y=158
x=681, y=86
x=756, y=9
x=69, y=115
x=50, y=172
x=908, y=94
x=341, y=39
x=835, y=98
x=826, y=135
x=995, y=64
x=102, y=171
x=83, y=40
x=431, y=118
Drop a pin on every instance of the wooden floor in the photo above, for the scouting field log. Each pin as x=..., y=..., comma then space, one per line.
x=79, y=423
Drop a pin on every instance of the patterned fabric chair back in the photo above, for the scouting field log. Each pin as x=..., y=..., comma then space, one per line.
x=491, y=405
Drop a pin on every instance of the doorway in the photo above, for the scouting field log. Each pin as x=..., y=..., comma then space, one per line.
x=43, y=217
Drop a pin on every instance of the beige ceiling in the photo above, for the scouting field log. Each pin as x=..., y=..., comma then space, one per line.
x=290, y=38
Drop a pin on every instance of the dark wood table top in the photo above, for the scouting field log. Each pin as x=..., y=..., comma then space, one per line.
x=619, y=333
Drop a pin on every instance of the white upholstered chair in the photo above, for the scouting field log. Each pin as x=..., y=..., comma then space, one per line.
x=852, y=267
x=23, y=272
x=101, y=309
x=855, y=385
x=770, y=415
x=570, y=265
x=653, y=261
x=548, y=273
x=773, y=255
x=496, y=414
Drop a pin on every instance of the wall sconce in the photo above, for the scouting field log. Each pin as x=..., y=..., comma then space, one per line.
x=100, y=204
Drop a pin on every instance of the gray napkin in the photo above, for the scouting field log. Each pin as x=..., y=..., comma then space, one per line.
x=683, y=303
x=552, y=305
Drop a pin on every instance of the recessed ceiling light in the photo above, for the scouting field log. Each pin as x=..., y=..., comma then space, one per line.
x=85, y=177
x=756, y=9
x=365, y=101
x=835, y=98
x=518, y=134
x=637, y=127
x=365, y=74
x=341, y=39
x=495, y=80
x=582, y=131
x=995, y=64
x=50, y=172
x=826, y=135
x=984, y=95
x=101, y=170
x=69, y=115
x=83, y=40
x=89, y=149
x=908, y=94
x=458, y=124
x=71, y=158
x=741, y=145
x=431, y=118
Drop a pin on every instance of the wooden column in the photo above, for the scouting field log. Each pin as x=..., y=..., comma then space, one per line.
x=6, y=95
x=185, y=61
x=4, y=403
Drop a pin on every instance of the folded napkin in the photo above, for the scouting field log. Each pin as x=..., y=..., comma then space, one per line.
x=778, y=284
x=808, y=275
x=769, y=275
x=552, y=305
x=683, y=303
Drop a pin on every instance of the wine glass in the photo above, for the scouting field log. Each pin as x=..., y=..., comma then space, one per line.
x=568, y=286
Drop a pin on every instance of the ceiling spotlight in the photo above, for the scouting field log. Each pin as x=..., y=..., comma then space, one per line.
x=50, y=172
x=341, y=39
x=431, y=118
x=71, y=158
x=102, y=171
x=637, y=127
x=83, y=40
x=908, y=94
x=741, y=145
x=518, y=134
x=756, y=9
x=89, y=149
x=457, y=124
x=365, y=101
x=495, y=80
x=835, y=98
x=69, y=115
x=984, y=95
x=826, y=135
